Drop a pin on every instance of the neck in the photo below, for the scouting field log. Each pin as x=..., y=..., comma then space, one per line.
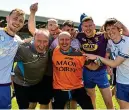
x=8, y=30
x=66, y=51
x=117, y=39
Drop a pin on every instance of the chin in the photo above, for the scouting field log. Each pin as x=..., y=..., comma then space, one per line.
x=65, y=49
x=14, y=30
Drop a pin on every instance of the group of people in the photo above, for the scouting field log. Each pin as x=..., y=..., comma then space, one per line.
x=61, y=67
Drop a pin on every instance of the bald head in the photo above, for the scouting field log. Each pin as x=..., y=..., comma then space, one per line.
x=52, y=20
x=41, y=40
x=64, y=40
x=42, y=33
x=64, y=34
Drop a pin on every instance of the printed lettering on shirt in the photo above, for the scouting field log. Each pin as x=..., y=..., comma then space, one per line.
x=90, y=47
x=67, y=65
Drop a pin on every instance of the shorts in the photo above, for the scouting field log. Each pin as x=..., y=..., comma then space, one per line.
x=41, y=93
x=122, y=91
x=5, y=97
x=79, y=95
x=93, y=78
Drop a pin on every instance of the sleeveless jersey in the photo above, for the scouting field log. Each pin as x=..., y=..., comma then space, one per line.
x=67, y=70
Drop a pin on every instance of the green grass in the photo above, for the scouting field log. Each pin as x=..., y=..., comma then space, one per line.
x=99, y=102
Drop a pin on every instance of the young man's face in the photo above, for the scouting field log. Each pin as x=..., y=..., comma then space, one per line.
x=88, y=27
x=68, y=29
x=52, y=26
x=64, y=42
x=41, y=43
x=15, y=21
x=112, y=31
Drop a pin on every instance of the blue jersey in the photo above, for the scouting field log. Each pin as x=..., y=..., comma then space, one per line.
x=8, y=49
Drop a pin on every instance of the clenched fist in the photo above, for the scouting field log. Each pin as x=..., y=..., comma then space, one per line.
x=34, y=8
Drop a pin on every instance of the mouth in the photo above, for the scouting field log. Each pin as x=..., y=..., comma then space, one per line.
x=64, y=46
x=111, y=34
x=16, y=26
x=88, y=31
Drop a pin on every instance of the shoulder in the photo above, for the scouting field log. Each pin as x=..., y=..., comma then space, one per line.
x=2, y=30
x=25, y=45
x=80, y=35
x=75, y=52
x=100, y=34
x=125, y=38
x=18, y=39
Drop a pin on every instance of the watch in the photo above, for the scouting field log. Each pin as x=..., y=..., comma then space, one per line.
x=98, y=61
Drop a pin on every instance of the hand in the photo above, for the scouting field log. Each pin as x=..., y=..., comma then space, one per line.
x=119, y=24
x=90, y=56
x=34, y=8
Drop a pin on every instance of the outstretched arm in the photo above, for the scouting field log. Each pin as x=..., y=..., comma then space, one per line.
x=111, y=63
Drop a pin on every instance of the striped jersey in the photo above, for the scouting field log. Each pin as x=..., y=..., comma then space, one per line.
x=121, y=49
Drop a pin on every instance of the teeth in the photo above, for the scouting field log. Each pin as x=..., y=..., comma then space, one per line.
x=15, y=26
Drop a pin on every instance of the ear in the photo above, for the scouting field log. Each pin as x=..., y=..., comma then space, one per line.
x=94, y=26
x=7, y=18
x=81, y=27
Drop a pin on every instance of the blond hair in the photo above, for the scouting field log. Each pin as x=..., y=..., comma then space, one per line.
x=18, y=11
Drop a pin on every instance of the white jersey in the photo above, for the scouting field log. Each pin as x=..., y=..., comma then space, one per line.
x=8, y=49
x=121, y=49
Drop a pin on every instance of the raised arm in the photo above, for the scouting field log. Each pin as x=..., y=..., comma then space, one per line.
x=31, y=21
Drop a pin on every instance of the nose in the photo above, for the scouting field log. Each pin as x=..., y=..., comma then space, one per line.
x=17, y=22
x=42, y=44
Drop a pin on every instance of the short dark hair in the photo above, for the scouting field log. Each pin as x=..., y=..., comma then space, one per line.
x=68, y=23
x=109, y=22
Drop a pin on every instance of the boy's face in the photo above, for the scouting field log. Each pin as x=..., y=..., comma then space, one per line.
x=15, y=21
x=68, y=29
x=52, y=26
x=112, y=31
x=88, y=27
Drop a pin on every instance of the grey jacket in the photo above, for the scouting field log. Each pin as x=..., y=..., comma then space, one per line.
x=35, y=65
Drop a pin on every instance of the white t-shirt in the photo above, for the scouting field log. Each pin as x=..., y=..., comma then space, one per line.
x=8, y=49
x=121, y=49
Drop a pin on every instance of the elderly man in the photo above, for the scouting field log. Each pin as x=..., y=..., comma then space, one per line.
x=32, y=83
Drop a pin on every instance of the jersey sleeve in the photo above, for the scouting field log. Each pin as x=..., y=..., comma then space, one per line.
x=19, y=40
x=124, y=50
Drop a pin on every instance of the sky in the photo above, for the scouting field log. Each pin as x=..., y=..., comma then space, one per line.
x=100, y=10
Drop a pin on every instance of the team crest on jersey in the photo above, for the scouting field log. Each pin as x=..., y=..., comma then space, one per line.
x=96, y=39
x=90, y=47
x=89, y=41
x=2, y=38
x=35, y=56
